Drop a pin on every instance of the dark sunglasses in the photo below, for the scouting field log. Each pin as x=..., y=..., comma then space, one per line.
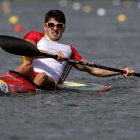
x=52, y=25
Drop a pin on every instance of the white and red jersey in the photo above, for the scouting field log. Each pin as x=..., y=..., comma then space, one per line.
x=57, y=70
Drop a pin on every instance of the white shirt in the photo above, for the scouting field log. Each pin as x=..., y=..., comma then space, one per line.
x=50, y=66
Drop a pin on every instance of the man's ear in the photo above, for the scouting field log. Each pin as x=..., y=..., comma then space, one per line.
x=64, y=28
x=44, y=27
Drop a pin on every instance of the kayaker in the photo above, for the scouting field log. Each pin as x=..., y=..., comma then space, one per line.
x=48, y=72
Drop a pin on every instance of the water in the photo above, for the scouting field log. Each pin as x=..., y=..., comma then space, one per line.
x=112, y=115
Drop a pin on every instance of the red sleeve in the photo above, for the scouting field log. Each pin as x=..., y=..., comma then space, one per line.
x=34, y=36
x=75, y=54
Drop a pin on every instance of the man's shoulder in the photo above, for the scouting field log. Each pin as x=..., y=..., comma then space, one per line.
x=73, y=48
x=34, y=32
x=33, y=35
x=75, y=54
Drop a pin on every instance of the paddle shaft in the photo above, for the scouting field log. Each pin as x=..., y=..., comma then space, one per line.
x=21, y=47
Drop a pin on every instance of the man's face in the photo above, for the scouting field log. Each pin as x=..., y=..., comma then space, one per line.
x=54, y=29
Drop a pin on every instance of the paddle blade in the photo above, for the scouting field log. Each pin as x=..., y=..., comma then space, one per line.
x=18, y=46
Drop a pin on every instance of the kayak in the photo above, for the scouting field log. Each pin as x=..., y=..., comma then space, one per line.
x=13, y=82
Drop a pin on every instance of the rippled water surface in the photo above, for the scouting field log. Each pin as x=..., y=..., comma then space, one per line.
x=111, y=115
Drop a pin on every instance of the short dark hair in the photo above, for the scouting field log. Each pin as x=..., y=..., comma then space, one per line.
x=56, y=14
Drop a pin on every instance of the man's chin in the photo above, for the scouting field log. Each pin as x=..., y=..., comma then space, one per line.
x=55, y=38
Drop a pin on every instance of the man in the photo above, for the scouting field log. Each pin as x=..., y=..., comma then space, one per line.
x=48, y=72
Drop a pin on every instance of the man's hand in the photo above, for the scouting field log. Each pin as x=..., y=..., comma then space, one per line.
x=60, y=56
x=128, y=71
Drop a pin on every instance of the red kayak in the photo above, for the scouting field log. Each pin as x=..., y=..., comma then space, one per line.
x=13, y=82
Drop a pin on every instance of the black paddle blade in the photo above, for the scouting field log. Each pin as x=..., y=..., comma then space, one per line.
x=18, y=46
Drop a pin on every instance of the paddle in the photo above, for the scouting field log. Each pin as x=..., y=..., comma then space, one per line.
x=21, y=47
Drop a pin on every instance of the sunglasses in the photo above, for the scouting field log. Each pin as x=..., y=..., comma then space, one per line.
x=52, y=25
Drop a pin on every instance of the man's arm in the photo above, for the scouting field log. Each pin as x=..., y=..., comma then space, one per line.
x=101, y=72
x=25, y=58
